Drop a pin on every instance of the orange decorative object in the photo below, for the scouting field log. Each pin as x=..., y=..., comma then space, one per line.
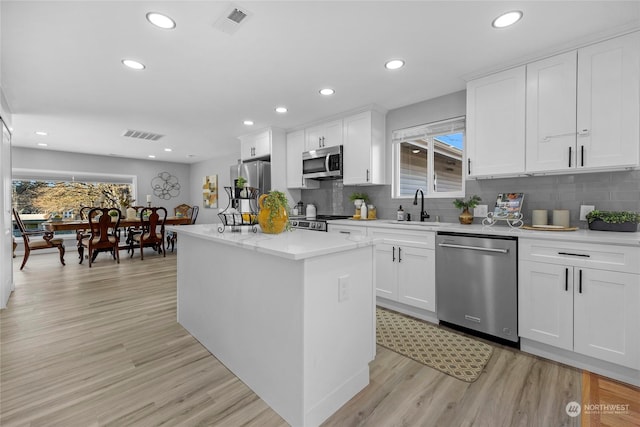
x=466, y=217
x=271, y=224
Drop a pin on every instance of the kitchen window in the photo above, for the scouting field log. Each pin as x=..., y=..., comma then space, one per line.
x=429, y=157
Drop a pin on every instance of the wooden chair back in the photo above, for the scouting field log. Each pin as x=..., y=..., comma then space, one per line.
x=183, y=209
x=151, y=219
x=104, y=233
x=21, y=227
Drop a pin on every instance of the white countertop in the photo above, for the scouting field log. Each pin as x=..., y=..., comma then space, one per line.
x=296, y=244
x=585, y=236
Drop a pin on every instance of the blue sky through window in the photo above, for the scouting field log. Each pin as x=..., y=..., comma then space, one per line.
x=453, y=139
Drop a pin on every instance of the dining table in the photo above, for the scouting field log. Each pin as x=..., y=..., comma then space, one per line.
x=128, y=223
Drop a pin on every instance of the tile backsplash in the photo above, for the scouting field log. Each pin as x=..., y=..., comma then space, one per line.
x=605, y=190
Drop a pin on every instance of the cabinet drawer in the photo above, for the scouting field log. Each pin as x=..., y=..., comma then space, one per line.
x=424, y=239
x=347, y=229
x=604, y=257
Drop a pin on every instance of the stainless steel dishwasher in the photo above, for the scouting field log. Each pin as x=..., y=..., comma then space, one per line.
x=477, y=283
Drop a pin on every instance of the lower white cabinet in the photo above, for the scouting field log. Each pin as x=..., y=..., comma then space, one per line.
x=566, y=304
x=405, y=266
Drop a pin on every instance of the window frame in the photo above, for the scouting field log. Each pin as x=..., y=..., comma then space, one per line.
x=414, y=132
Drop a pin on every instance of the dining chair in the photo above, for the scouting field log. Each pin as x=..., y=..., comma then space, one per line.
x=103, y=226
x=133, y=230
x=191, y=212
x=151, y=220
x=48, y=241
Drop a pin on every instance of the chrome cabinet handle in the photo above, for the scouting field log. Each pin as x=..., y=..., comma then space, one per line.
x=393, y=259
x=566, y=279
x=399, y=254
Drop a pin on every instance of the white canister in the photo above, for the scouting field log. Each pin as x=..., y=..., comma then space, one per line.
x=363, y=211
x=561, y=217
x=311, y=211
x=540, y=217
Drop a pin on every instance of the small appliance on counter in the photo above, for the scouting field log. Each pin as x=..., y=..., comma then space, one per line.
x=311, y=211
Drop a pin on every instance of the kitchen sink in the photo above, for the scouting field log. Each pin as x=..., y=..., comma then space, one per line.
x=424, y=224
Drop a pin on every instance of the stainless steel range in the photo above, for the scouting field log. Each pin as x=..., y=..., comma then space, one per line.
x=318, y=224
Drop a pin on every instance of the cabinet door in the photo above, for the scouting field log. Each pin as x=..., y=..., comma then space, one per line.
x=607, y=316
x=496, y=124
x=416, y=277
x=246, y=147
x=295, y=147
x=332, y=133
x=551, y=113
x=609, y=102
x=386, y=281
x=545, y=303
x=357, y=149
x=313, y=138
x=262, y=144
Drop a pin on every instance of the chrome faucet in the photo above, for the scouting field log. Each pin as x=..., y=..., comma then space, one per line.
x=423, y=213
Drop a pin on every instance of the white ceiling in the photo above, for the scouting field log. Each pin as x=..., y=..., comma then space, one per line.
x=61, y=70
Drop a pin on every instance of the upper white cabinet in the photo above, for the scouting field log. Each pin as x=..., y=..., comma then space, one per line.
x=256, y=145
x=364, y=148
x=496, y=124
x=551, y=113
x=608, y=120
x=323, y=135
x=583, y=108
x=295, y=147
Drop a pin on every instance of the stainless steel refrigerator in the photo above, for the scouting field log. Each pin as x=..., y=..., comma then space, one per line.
x=257, y=174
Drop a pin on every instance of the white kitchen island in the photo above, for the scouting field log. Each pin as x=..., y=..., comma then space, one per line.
x=292, y=315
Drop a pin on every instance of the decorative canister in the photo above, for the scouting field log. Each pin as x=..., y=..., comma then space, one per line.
x=466, y=217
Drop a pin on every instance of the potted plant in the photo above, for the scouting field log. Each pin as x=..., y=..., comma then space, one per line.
x=240, y=183
x=613, y=220
x=273, y=217
x=466, y=217
x=358, y=199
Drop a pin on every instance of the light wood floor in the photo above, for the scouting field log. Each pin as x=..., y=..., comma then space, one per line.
x=101, y=347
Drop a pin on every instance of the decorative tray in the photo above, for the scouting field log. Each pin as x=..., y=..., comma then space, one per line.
x=549, y=228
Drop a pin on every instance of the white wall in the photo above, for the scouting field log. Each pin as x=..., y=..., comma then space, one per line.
x=144, y=170
x=217, y=166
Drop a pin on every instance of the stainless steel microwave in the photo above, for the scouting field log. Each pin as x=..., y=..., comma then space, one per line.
x=323, y=163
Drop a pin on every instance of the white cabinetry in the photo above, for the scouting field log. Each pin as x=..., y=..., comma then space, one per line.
x=347, y=229
x=583, y=108
x=255, y=146
x=323, y=135
x=405, y=267
x=581, y=297
x=496, y=124
x=364, y=148
x=295, y=147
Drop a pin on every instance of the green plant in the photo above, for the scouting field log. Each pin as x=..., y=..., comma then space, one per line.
x=613, y=217
x=275, y=202
x=113, y=213
x=356, y=196
x=470, y=203
x=240, y=182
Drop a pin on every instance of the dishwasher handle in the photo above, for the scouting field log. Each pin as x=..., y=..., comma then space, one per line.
x=473, y=248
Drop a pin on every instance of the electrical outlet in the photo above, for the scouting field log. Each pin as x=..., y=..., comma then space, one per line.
x=343, y=288
x=584, y=210
x=480, y=211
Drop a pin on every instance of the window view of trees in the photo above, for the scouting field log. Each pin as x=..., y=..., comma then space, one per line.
x=66, y=198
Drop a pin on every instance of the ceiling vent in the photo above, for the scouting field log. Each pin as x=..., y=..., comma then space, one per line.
x=232, y=18
x=138, y=134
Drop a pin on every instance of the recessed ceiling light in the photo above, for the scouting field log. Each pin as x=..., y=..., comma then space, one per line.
x=160, y=20
x=394, y=64
x=248, y=122
x=42, y=144
x=151, y=156
x=135, y=65
x=506, y=19
x=40, y=133
x=168, y=150
x=327, y=91
x=416, y=151
x=281, y=109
